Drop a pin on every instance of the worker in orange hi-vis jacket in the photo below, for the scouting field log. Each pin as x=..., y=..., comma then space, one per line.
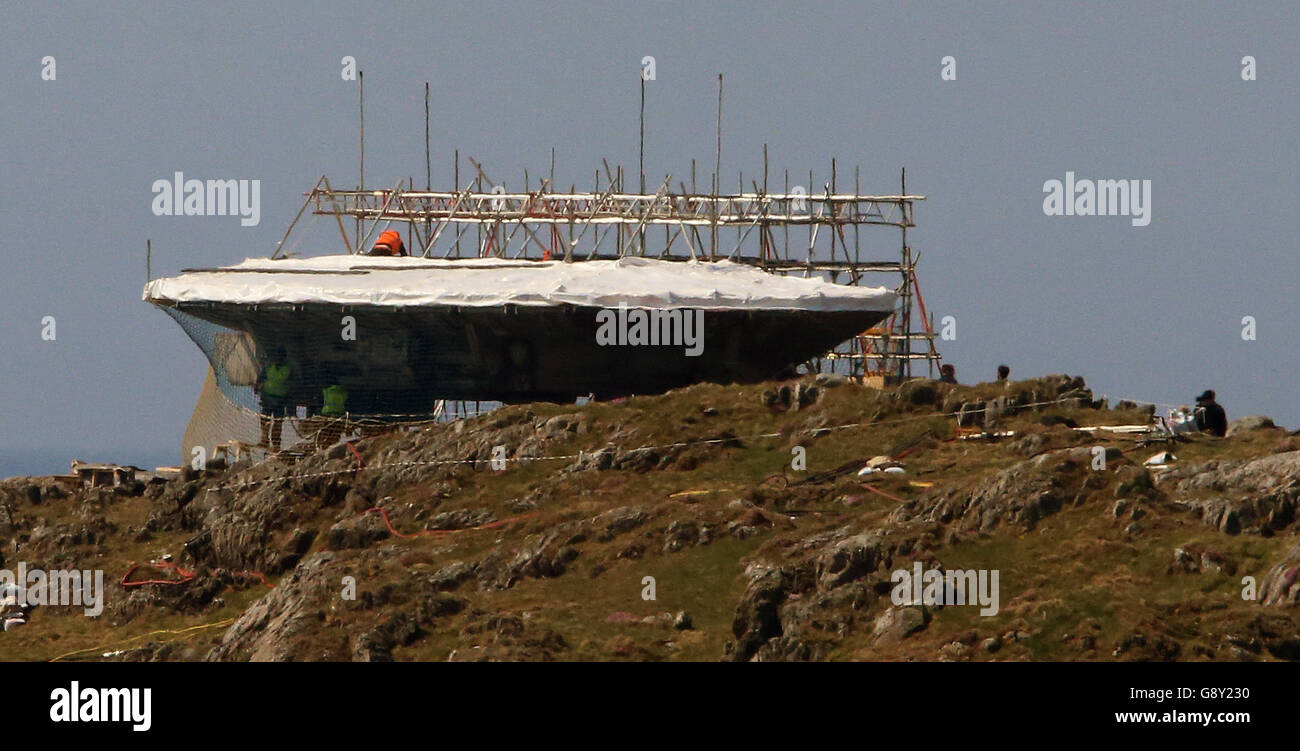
x=388, y=244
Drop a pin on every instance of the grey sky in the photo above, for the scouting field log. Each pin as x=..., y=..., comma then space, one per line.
x=1144, y=91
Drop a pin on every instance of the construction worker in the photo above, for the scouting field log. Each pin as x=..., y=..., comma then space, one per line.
x=275, y=387
x=1210, y=417
x=335, y=400
x=388, y=244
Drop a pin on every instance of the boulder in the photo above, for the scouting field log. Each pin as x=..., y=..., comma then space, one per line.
x=619, y=520
x=357, y=532
x=1248, y=424
x=1021, y=495
x=266, y=630
x=757, y=616
x=847, y=560
x=785, y=648
x=898, y=623
x=1278, y=633
x=1281, y=585
x=1257, y=496
x=461, y=519
x=451, y=575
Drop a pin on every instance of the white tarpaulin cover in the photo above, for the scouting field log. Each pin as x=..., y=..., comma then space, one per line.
x=636, y=282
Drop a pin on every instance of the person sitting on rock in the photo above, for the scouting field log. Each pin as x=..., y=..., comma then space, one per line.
x=1210, y=417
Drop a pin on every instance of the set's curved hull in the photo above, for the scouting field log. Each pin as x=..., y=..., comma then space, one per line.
x=403, y=360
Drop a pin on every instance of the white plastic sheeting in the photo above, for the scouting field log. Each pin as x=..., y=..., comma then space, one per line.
x=636, y=282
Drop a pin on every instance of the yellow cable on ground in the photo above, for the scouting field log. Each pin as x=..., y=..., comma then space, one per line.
x=215, y=624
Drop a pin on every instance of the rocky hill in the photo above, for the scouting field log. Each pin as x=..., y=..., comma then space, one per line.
x=710, y=523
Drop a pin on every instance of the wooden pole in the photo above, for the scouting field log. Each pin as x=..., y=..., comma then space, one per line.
x=641, y=234
x=428, y=165
x=785, y=226
x=361, y=183
x=361, y=77
x=717, y=177
x=833, y=227
x=642, y=151
x=763, y=236
x=857, y=241
x=905, y=365
x=428, y=162
x=456, y=177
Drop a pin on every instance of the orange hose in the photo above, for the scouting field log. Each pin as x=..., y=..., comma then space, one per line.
x=361, y=463
x=185, y=575
x=881, y=492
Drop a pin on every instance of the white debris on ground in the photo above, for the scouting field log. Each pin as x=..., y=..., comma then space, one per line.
x=1162, y=459
x=878, y=464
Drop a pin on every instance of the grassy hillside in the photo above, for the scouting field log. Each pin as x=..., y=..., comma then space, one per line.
x=750, y=558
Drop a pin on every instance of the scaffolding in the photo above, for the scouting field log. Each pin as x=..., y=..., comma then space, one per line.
x=753, y=225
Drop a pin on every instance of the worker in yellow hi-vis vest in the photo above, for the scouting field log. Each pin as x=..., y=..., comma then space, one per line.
x=336, y=401
x=275, y=385
x=335, y=407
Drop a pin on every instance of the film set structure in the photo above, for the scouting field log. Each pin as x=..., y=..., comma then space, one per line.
x=445, y=344
x=791, y=232
x=751, y=226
